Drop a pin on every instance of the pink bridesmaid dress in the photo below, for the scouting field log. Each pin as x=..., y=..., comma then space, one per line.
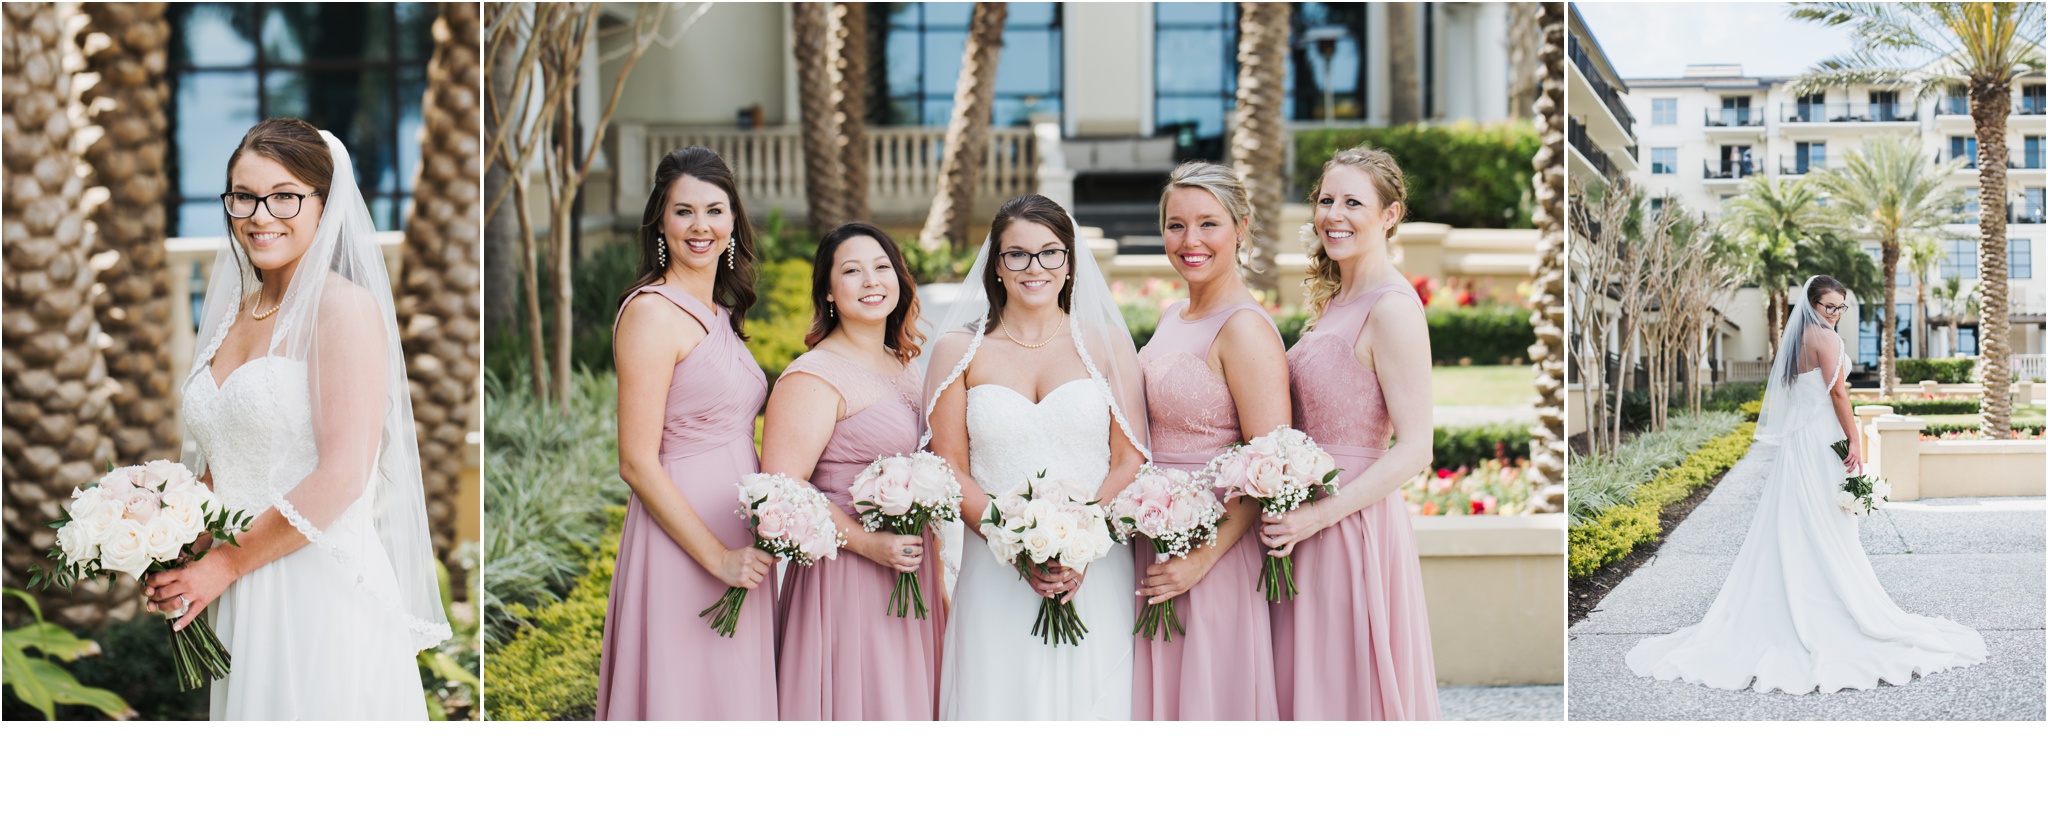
x=1354, y=644
x=1222, y=669
x=842, y=657
x=661, y=661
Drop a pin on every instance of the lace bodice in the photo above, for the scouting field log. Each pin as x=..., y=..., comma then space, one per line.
x=256, y=431
x=1337, y=400
x=1065, y=434
x=1190, y=409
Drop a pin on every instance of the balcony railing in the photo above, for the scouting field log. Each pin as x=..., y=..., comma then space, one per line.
x=2022, y=213
x=1948, y=106
x=1846, y=113
x=1737, y=118
x=2021, y=106
x=1728, y=171
x=2030, y=106
x=1575, y=134
x=2023, y=160
x=1584, y=60
x=1794, y=165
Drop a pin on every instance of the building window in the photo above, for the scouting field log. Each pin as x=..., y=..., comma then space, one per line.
x=1966, y=340
x=1194, y=78
x=1656, y=206
x=357, y=70
x=2033, y=206
x=2033, y=99
x=1664, y=111
x=1902, y=315
x=1961, y=260
x=2030, y=156
x=1963, y=147
x=1813, y=108
x=1664, y=161
x=1957, y=101
x=1808, y=157
x=1884, y=106
x=1970, y=209
x=2019, y=258
x=1336, y=84
x=923, y=44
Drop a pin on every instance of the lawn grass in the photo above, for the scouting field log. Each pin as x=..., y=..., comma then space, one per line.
x=1482, y=385
x=2021, y=415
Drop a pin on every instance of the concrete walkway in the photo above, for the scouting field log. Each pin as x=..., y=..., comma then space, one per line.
x=1976, y=561
x=1501, y=702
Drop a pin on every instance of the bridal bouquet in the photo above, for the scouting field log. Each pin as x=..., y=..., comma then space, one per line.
x=1860, y=494
x=1040, y=521
x=1177, y=512
x=137, y=521
x=903, y=494
x=1281, y=470
x=790, y=520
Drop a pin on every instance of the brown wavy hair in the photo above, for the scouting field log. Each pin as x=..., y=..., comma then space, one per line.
x=1037, y=209
x=901, y=334
x=1323, y=280
x=734, y=286
x=297, y=146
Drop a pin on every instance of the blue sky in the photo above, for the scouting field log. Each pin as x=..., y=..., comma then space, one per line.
x=1661, y=39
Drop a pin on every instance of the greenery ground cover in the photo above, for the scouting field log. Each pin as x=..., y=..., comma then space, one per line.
x=1608, y=535
x=1482, y=385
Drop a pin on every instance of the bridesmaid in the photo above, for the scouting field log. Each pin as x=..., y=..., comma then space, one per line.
x=853, y=398
x=688, y=393
x=1215, y=374
x=1354, y=645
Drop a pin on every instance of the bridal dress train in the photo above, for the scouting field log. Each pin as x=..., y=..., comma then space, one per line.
x=995, y=669
x=1801, y=609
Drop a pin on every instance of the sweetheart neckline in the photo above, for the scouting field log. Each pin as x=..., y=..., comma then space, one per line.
x=1040, y=401
x=222, y=384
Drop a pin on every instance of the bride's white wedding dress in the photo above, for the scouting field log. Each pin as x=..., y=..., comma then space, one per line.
x=994, y=668
x=314, y=634
x=1802, y=609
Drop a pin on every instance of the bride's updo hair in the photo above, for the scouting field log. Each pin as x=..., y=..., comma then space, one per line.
x=1038, y=209
x=1822, y=286
x=734, y=286
x=294, y=144
x=1224, y=184
x=900, y=332
x=1387, y=181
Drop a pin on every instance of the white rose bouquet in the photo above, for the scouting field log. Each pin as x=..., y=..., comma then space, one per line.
x=790, y=520
x=1860, y=494
x=902, y=494
x=1281, y=470
x=137, y=521
x=1177, y=512
x=1040, y=521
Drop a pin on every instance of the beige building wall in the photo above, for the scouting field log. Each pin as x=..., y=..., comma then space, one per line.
x=1108, y=69
x=733, y=57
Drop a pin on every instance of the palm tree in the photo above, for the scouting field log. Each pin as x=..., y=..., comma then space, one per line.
x=824, y=160
x=1258, y=137
x=966, y=145
x=1548, y=446
x=58, y=397
x=1954, y=299
x=438, y=289
x=1768, y=222
x=1889, y=191
x=1923, y=254
x=126, y=45
x=1928, y=47
x=850, y=91
x=1404, y=89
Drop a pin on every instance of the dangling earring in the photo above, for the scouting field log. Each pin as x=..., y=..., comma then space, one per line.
x=831, y=309
x=661, y=252
x=732, y=250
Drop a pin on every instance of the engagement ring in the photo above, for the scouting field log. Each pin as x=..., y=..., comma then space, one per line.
x=184, y=605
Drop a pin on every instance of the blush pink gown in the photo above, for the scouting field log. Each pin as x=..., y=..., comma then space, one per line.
x=841, y=656
x=1354, y=644
x=661, y=661
x=1222, y=669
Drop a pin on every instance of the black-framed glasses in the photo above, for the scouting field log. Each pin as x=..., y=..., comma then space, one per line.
x=1832, y=308
x=1048, y=259
x=283, y=205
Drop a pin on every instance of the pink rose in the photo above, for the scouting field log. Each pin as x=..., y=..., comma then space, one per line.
x=892, y=490
x=775, y=521
x=1264, y=478
x=1186, y=511
x=1155, y=518
x=1232, y=473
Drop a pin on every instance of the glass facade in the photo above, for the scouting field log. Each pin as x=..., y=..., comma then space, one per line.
x=1195, y=69
x=921, y=46
x=355, y=69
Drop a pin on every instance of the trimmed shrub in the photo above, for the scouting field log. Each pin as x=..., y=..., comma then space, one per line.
x=1752, y=410
x=1466, y=447
x=1601, y=481
x=1940, y=370
x=549, y=670
x=1463, y=174
x=1489, y=335
x=776, y=325
x=1926, y=406
x=1938, y=429
x=1617, y=530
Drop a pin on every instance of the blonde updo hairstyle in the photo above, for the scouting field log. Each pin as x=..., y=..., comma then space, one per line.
x=1323, y=279
x=1223, y=183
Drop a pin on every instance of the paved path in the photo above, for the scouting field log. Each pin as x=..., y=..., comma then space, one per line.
x=1978, y=561
x=1501, y=702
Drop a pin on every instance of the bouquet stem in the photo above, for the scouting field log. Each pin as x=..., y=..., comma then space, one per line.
x=908, y=596
x=1277, y=579
x=1159, y=617
x=1059, y=623
x=725, y=614
x=197, y=655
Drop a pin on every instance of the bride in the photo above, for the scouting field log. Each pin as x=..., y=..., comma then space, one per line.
x=1801, y=609
x=1035, y=372
x=298, y=412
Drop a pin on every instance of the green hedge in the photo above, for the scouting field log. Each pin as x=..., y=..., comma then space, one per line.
x=1489, y=335
x=1951, y=428
x=1466, y=175
x=548, y=671
x=1467, y=446
x=781, y=315
x=1926, y=406
x=1941, y=370
x=1613, y=533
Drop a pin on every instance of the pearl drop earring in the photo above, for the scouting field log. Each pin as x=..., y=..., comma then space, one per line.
x=661, y=252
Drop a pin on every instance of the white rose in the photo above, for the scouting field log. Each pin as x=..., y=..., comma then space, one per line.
x=168, y=473
x=78, y=549
x=182, y=508
x=1845, y=500
x=1039, y=544
x=931, y=483
x=126, y=549
x=97, y=514
x=163, y=539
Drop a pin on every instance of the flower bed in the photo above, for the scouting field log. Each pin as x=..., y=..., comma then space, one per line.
x=1496, y=487
x=1946, y=432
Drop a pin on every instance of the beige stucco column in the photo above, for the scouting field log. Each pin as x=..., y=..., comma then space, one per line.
x=1896, y=454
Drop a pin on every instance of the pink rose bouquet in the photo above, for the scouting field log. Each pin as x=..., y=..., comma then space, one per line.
x=1177, y=512
x=1281, y=470
x=903, y=494
x=790, y=520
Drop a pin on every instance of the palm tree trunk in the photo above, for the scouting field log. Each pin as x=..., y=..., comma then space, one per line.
x=58, y=396
x=1888, y=337
x=438, y=288
x=824, y=160
x=967, y=132
x=126, y=45
x=501, y=235
x=1990, y=102
x=1548, y=447
x=1258, y=137
x=1404, y=90
x=850, y=92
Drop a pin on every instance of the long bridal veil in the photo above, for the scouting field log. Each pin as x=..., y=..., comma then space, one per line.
x=337, y=319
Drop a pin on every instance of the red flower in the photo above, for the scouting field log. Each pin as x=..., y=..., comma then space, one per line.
x=1422, y=289
x=1478, y=507
x=1443, y=474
